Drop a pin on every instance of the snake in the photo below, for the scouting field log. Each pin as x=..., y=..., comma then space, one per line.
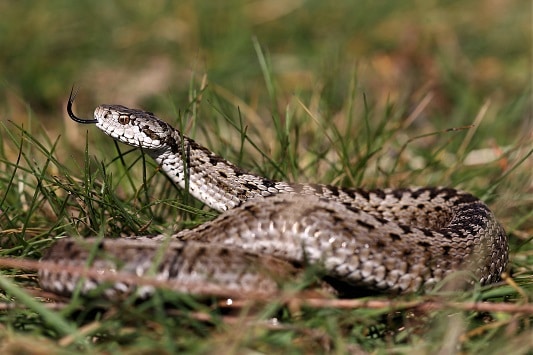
x=391, y=240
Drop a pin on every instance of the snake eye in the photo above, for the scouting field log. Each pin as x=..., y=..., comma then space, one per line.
x=124, y=120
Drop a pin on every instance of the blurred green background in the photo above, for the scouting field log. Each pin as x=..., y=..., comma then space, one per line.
x=147, y=54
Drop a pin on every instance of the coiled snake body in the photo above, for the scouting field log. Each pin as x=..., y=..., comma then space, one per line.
x=393, y=240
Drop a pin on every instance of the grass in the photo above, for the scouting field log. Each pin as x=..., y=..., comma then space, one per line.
x=354, y=95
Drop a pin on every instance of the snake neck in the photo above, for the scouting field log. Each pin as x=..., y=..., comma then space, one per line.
x=208, y=177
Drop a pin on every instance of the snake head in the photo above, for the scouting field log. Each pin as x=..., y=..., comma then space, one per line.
x=138, y=128
x=134, y=127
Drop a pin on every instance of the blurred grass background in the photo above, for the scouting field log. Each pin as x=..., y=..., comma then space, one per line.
x=352, y=72
x=142, y=53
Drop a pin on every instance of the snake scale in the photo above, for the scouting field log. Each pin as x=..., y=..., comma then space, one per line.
x=389, y=240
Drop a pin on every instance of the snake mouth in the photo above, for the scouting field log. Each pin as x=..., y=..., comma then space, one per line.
x=71, y=114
